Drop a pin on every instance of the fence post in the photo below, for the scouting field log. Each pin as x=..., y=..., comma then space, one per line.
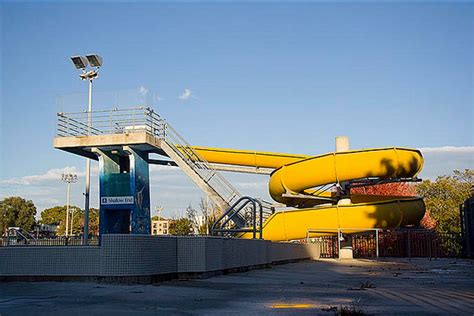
x=430, y=242
x=339, y=241
x=408, y=244
x=377, y=242
x=254, y=219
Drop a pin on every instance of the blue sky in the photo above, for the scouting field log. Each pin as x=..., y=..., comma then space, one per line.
x=276, y=77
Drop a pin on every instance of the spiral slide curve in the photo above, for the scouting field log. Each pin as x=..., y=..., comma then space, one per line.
x=295, y=178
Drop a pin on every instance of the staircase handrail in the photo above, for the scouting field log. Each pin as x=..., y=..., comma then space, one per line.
x=202, y=166
x=232, y=211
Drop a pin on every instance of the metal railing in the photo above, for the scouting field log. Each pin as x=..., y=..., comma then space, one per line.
x=113, y=121
x=15, y=241
x=202, y=167
x=239, y=213
x=389, y=243
x=340, y=237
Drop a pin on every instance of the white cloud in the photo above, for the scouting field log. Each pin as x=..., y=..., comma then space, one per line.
x=443, y=160
x=47, y=189
x=186, y=94
x=448, y=149
x=52, y=174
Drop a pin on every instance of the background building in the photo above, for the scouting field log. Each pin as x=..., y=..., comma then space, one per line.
x=159, y=227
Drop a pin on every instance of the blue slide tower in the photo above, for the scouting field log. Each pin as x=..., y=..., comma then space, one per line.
x=124, y=191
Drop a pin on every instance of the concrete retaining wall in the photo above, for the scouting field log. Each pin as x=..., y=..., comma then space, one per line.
x=134, y=255
x=147, y=256
x=197, y=254
x=54, y=261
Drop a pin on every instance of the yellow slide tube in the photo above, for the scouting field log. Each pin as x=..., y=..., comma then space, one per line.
x=324, y=220
x=298, y=174
x=382, y=163
x=250, y=158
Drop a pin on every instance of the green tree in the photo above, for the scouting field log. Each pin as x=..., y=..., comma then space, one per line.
x=94, y=221
x=57, y=216
x=442, y=198
x=17, y=212
x=78, y=225
x=181, y=227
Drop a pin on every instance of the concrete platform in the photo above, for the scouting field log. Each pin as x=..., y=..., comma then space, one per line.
x=389, y=287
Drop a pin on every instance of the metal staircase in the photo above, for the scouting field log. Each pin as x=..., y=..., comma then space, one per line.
x=221, y=191
x=199, y=170
x=18, y=236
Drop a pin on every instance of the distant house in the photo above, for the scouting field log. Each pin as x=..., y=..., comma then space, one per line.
x=160, y=227
x=51, y=228
x=45, y=230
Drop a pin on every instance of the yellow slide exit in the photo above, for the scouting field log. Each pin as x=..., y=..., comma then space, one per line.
x=295, y=178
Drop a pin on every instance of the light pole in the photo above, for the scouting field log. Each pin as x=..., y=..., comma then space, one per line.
x=68, y=178
x=72, y=221
x=81, y=62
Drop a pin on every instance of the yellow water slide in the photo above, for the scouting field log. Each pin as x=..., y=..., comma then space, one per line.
x=297, y=179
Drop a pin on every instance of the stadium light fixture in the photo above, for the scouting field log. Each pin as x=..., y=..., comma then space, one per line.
x=80, y=62
x=94, y=60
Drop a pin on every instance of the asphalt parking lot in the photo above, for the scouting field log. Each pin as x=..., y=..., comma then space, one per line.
x=323, y=287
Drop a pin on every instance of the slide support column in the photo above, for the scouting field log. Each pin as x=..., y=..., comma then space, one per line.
x=345, y=245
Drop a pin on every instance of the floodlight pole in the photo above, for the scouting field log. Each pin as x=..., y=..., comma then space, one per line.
x=67, y=208
x=88, y=169
x=68, y=178
x=72, y=222
x=81, y=62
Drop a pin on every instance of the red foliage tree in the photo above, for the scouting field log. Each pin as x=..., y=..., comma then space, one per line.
x=427, y=221
x=395, y=189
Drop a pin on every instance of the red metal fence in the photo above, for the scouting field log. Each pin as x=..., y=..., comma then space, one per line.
x=395, y=243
